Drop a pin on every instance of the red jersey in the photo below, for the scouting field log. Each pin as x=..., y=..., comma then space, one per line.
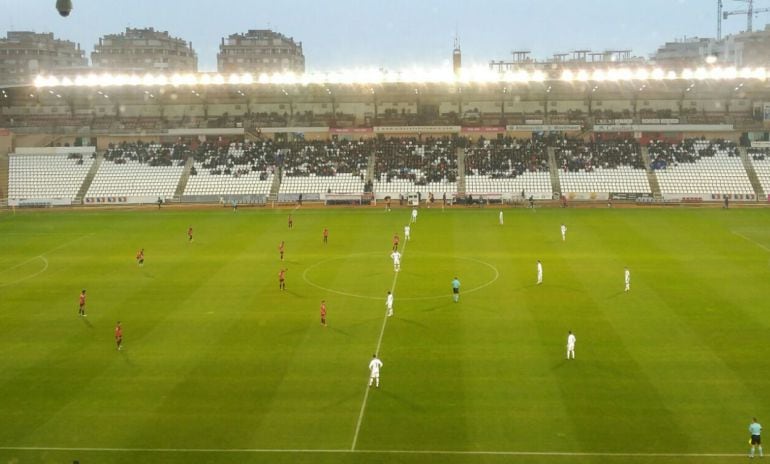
x=323, y=309
x=82, y=299
x=280, y=247
x=326, y=232
x=189, y=231
x=282, y=275
x=118, y=332
x=140, y=255
x=395, y=239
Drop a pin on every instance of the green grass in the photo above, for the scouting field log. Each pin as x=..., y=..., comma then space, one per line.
x=216, y=357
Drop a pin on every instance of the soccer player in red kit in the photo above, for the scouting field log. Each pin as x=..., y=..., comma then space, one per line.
x=119, y=336
x=280, y=249
x=140, y=258
x=326, y=235
x=323, y=313
x=282, y=279
x=82, y=310
x=291, y=222
x=395, y=242
x=189, y=234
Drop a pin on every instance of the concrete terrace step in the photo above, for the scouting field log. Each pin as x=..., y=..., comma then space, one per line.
x=89, y=178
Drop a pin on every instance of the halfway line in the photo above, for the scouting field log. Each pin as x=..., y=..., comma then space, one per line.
x=376, y=351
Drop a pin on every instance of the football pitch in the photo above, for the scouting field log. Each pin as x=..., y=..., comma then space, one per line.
x=221, y=366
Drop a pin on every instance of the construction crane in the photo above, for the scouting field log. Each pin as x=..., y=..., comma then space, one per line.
x=750, y=11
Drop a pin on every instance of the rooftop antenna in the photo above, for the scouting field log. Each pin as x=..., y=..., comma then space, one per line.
x=456, y=54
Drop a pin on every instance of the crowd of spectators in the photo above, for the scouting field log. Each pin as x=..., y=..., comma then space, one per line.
x=506, y=158
x=418, y=160
x=575, y=155
x=237, y=158
x=326, y=158
x=759, y=154
x=152, y=153
x=664, y=154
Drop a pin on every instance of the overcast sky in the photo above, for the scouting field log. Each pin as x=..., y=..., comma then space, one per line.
x=394, y=34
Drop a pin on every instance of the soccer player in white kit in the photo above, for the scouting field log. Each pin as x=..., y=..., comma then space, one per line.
x=539, y=272
x=374, y=371
x=396, y=260
x=500, y=217
x=563, y=233
x=407, y=230
x=627, y=276
x=571, y=345
x=414, y=214
x=389, y=303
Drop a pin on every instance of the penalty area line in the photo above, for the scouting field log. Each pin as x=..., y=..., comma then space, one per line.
x=374, y=452
x=752, y=241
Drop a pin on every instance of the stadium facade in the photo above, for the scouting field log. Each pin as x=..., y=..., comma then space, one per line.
x=260, y=51
x=144, y=50
x=24, y=55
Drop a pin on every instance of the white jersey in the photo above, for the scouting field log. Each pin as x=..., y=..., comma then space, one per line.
x=627, y=275
x=563, y=230
x=571, y=340
x=407, y=229
x=389, y=301
x=374, y=366
x=501, y=217
x=414, y=213
x=396, y=257
x=539, y=269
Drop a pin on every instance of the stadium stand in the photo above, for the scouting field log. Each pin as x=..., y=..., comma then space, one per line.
x=760, y=158
x=235, y=169
x=510, y=166
x=324, y=167
x=606, y=167
x=140, y=171
x=699, y=167
x=408, y=165
x=42, y=178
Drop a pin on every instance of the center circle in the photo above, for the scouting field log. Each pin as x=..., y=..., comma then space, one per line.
x=376, y=268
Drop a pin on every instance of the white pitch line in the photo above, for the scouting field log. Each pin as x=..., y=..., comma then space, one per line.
x=752, y=241
x=376, y=351
x=381, y=452
x=41, y=257
x=45, y=268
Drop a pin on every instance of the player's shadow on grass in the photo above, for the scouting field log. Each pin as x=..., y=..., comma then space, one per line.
x=411, y=322
x=343, y=400
x=404, y=400
x=87, y=322
x=126, y=358
x=438, y=306
x=336, y=330
x=560, y=364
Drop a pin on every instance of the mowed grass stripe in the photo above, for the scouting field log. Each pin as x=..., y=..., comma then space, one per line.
x=676, y=366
